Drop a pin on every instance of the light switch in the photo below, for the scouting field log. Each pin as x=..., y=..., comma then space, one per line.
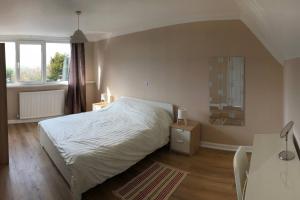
x=147, y=83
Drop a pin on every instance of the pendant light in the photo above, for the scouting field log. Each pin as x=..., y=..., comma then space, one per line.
x=78, y=36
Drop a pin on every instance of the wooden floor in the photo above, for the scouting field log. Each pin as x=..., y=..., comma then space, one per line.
x=32, y=176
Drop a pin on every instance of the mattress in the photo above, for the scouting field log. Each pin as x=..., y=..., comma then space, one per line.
x=91, y=147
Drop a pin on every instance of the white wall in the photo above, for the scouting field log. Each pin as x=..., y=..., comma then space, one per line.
x=174, y=61
x=292, y=92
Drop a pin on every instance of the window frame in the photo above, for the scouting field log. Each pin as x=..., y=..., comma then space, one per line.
x=43, y=43
x=45, y=61
x=18, y=67
x=15, y=67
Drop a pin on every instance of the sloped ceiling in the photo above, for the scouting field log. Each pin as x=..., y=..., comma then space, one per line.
x=274, y=22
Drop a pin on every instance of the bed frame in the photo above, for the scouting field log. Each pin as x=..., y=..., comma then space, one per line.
x=58, y=160
x=54, y=155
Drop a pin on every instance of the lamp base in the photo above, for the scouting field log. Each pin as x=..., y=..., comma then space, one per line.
x=182, y=122
x=286, y=155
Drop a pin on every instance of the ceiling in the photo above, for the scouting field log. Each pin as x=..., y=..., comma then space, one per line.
x=274, y=22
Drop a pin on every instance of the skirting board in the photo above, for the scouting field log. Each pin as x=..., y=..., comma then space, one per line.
x=22, y=121
x=224, y=147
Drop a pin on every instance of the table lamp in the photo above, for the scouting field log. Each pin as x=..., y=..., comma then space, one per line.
x=182, y=116
x=103, y=97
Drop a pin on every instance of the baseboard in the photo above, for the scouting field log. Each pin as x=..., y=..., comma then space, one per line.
x=224, y=147
x=23, y=121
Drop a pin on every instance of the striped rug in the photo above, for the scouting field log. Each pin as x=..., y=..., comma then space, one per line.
x=157, y=182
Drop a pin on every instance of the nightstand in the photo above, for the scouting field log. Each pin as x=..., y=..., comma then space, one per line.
x=185, y=138
x=99, y=106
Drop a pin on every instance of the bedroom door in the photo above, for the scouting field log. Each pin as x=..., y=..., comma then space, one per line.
x=3, y=109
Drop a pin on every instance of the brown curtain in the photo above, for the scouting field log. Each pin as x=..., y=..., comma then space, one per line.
x=3, y=109
x=76, y=97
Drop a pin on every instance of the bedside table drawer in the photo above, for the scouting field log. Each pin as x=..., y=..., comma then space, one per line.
x=180, y=140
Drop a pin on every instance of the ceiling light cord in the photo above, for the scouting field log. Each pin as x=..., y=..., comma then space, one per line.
x=78, y=18
x=78, y=37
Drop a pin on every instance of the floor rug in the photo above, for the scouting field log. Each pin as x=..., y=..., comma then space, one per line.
x=157, y=182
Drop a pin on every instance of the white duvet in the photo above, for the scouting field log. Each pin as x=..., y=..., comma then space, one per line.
x=99, y=145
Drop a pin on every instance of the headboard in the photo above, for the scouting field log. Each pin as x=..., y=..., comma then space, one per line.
x=166, y=106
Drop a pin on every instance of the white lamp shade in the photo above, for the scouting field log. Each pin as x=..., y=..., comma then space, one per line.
x=78, y=37
x=103, y=97
x=182, y=113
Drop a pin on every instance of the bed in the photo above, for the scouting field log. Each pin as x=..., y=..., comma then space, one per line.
x=89, y=148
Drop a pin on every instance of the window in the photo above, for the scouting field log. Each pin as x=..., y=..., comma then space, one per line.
x=57, y=61
x=10, y=57
x=37, y=61
x=30, y=64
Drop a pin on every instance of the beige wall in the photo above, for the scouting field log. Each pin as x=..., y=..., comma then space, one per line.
x=174, y=60
x=12, y=93
x=90, y=75
x=292, y=92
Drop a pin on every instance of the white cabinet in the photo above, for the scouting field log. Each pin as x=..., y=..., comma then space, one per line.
x=180, y=140
x=185, y=138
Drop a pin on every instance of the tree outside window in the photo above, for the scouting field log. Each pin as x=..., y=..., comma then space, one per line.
x=58, y=67
x=57, y=60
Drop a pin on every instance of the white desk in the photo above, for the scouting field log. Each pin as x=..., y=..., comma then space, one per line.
x=269, y=177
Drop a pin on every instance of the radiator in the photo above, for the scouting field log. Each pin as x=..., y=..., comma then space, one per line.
x=41, y=104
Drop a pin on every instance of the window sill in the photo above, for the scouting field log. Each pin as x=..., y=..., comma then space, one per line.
x=28, y=85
